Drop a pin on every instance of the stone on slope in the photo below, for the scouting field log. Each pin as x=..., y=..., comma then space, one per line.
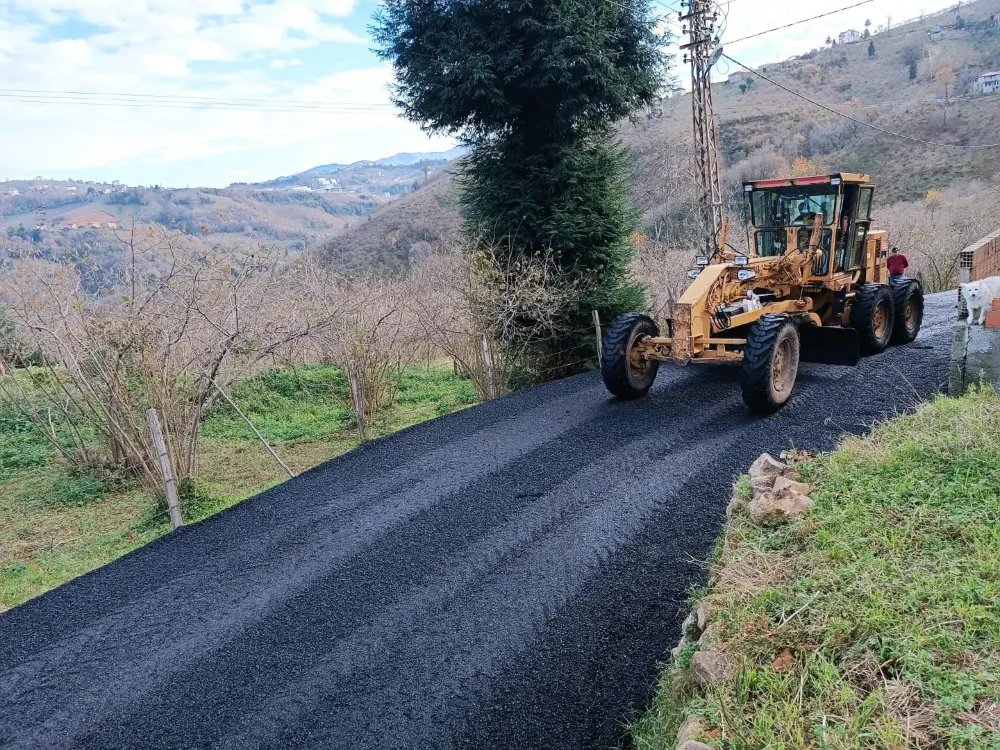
x=766, y=466
x=710, y=667
x=772, y=507
x=784, y=483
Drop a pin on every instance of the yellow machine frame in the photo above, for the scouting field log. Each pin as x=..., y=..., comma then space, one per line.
x=698, y=333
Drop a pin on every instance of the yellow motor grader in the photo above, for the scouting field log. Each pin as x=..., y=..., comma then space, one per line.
x=813, y=287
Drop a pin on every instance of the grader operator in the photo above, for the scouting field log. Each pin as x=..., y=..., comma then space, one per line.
x=813, y=288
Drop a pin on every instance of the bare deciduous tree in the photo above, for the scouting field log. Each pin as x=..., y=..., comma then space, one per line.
x=180, y=324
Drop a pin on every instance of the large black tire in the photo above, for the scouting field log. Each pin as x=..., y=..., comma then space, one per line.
x=625, y=378
x=908, y=298
x=873, y=315
x=770, y=363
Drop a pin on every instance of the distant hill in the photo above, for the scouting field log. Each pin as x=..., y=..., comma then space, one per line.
x=402, y=160
x=387, y=240
x=56, y=217
x=401, y=167
x=763, y=129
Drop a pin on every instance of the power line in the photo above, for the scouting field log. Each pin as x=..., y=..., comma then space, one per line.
x=854, y=119
x=183, y=97
x=194, y=106
x=799, y=23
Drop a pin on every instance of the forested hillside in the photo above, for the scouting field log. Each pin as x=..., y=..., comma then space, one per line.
x=766, y=131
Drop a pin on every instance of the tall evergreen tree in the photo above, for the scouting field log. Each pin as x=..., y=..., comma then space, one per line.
x=534, y=88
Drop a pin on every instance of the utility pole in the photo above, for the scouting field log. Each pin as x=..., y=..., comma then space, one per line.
x=700, y=21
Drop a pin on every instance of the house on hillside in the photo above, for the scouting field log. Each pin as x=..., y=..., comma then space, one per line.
x=849, y=37
x=96, y=220
x=13, y=191
x=737, y=78
x=988, y=83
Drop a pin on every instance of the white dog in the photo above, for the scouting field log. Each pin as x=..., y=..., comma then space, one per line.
x=979, y=296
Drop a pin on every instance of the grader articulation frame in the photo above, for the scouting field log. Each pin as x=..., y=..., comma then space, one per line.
x=813, y=288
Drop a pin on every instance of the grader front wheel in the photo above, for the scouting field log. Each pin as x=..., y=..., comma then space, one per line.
x=626, y=374
x=770, y=363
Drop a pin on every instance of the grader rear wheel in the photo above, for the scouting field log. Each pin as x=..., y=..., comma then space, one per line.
x=627, y=375
x=770, y=363
x=873, y=316
x=908, y=297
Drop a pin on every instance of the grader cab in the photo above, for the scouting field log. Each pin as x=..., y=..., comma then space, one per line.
x=813, y=287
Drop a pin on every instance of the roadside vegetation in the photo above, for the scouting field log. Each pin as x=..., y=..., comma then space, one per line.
x=871, y=622
x=552, y=186
x=58, y=522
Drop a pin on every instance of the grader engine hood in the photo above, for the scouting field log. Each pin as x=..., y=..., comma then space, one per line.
x=712, y=317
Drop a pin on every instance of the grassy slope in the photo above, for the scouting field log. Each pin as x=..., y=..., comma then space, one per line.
x=886, y=598
x=55, y=526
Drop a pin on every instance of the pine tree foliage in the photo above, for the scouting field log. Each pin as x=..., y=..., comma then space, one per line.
x=534, y=88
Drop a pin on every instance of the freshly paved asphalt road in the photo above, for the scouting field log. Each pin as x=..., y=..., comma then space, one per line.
x=506, y=577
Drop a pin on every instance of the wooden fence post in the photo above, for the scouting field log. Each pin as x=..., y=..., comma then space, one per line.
x=491, y=391
x=359, y=397
x=600, y=338
x=169, y=483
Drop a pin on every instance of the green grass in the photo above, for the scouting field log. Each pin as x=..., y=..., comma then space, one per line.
x=56, y=525
x=886, y=599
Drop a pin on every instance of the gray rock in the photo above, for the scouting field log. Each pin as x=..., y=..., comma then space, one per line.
x=774, y=507
x=766, y=466
x=763, y=484
x=703, y=612
x=690, y=729
x=690, y=629
x=710, y=667
x=711, y=639
x=784, y=483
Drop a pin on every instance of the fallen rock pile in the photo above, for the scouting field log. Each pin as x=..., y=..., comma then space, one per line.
x=778, y=497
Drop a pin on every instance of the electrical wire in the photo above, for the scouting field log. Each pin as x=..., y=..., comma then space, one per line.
x=184, y=98
x=854, y=119
x=195, y=106
x=798, y=23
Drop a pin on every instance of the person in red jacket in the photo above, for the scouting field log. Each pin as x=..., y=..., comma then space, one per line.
x=897, y=264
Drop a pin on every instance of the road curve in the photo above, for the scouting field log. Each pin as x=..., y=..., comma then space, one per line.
x=506, y=577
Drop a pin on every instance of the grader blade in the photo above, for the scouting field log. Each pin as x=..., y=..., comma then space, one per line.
x=830, y=346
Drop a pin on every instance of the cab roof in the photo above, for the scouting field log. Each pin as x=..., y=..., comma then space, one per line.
x=852, y=178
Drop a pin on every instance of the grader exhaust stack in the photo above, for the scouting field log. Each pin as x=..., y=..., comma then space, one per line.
x=812, y=288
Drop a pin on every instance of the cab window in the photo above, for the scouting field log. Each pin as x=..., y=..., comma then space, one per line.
x=865, y=204
x=794, y=206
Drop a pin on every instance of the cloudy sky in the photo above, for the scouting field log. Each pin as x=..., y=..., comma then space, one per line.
x=249, y=89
